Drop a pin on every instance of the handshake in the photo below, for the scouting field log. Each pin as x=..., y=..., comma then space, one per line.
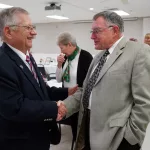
x=62, y=111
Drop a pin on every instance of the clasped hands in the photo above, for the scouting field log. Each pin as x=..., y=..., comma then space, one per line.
x=62, y=110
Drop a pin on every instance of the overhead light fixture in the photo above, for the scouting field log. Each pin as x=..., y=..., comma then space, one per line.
x=91, y=8
x=5, y=6
x=131, y=19
x=57, y=17
x=125, y=1
x=55, y=11
x=121, y=12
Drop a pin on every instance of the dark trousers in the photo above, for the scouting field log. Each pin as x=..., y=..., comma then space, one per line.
x=87, y=127
x=125, y=145
x=25, y=144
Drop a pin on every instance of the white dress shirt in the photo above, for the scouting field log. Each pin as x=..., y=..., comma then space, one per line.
x=111, y=49
x=21, y=55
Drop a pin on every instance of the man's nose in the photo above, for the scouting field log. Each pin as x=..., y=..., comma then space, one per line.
x=33, y=32
x=92, y=36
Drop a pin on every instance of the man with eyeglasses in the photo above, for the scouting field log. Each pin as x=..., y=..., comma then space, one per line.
x=28, y=108
x=115, y=102
x=27, y=27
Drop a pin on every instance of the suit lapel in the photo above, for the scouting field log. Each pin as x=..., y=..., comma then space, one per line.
x=113, y=57
x=18, y=61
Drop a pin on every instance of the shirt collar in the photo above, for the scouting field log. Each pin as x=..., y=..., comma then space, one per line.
x=19, y=53
x=111, y=49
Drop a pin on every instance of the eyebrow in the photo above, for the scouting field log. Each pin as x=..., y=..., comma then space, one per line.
x=97, y=28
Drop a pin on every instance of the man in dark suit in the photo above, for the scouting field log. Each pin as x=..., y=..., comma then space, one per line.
x=28, y=110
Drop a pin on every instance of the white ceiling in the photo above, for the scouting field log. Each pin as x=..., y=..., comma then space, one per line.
x=79, y=9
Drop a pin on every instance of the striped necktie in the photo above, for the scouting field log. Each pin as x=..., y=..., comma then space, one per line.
x=31, y=67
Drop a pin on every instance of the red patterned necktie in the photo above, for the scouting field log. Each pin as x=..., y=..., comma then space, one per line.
x=31, y=67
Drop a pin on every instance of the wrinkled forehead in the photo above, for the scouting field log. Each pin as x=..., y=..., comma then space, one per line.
x=99, y=23
x=24, y=19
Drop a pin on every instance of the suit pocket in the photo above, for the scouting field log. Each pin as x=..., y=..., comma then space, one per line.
x=118, y=122
x=117, y=72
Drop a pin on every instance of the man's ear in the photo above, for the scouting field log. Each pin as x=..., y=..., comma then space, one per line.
x=7, y=32
x=116, y=29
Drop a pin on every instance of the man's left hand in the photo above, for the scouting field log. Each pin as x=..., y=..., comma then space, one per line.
x=72, y=90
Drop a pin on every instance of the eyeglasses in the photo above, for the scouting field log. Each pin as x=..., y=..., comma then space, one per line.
x=99, y=30
x=29, y=27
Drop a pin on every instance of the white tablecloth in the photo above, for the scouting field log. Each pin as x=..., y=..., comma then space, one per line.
x=54, y=83
x=50, y=69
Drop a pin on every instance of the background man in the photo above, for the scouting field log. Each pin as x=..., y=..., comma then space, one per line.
x=147, y=39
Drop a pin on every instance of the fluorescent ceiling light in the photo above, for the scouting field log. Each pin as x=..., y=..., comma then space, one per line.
x=121, y=12
x=5, y=6
x=91, y=8
x=57, y=17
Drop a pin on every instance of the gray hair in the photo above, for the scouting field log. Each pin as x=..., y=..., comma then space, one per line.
x=111, y=18
x=147, y=34
x=9, y=17
x=66, y=38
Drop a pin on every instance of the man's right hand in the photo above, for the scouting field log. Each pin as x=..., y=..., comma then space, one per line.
x=62, y=111
x=60, y=60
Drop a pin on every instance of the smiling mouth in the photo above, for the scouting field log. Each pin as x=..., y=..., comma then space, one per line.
x=29, y=38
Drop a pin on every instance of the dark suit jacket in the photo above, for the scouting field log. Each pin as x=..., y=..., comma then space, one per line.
x=84, y=62
x=26, y=107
